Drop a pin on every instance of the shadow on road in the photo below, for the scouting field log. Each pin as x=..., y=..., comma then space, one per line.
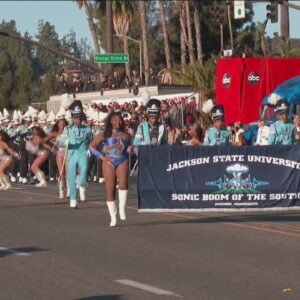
x=103, y=297
x=16, y=251
x=230, y=218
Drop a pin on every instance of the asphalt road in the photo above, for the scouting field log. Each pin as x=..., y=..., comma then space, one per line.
x=50, y=251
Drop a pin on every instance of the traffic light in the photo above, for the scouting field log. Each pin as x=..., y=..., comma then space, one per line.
x=220, y=11
x=272, y=13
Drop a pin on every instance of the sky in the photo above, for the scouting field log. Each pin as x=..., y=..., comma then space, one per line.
x=65, y=15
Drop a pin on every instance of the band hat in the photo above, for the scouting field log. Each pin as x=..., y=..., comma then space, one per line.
x=217, y=113
x=15, y=120
x=33, y=112
x=6, y=116
x=76, y=109
x=153, y=107
x=27, y=116
x=42, y=117
x=61, y=114
x=282, y=106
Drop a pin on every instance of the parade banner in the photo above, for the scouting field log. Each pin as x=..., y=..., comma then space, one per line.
x=218, y=178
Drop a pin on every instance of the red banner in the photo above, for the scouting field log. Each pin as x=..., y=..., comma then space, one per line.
x=242, y=83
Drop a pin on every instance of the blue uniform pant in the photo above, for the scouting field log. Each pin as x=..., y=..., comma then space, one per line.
x=77, y=161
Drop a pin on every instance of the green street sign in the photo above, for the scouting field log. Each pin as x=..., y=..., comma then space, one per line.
x=112, y=58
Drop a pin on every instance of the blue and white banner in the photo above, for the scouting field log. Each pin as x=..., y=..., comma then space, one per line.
x=226, y=178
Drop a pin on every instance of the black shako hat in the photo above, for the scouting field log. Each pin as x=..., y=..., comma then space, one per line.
x=76, y=109
x=217, y=113
x=282, y=106
x=153, y=107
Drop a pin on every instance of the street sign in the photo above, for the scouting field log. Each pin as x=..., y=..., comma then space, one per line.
x=239, y=9
x=112, y=58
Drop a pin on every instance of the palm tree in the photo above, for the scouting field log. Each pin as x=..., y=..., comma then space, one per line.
x=122, y=12
x=260, y=37
x=189, y=28
x=284, y=22
x=93, y=28
x=197, y=24
x=183, y=35
x=144, y=40
x=165, y=33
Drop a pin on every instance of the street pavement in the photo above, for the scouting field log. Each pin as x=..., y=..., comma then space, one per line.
x=50, y=251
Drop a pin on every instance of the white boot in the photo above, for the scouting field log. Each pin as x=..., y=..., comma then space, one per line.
x=113, y=212
x=122, y=203
x=41, y=178
x=101, y=180
x=6, y=182
x=2, y=184
x=82, y=193
x=73, y=203
x=61, y=189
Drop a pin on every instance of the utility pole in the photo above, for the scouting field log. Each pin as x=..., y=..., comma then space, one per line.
x=109, y=31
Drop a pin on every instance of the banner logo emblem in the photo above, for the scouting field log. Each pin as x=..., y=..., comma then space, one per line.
x=237, y=181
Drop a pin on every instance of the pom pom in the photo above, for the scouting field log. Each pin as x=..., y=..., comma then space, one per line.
x=207, y=106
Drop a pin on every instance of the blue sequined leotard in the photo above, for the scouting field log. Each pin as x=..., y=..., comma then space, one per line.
x=117, y=149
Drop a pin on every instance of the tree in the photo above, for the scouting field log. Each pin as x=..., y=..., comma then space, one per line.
x=142, y=11
x=122, y=11
x=189, y=29
x=165, y=34
x=89, y=13
x=197, y=23
x=285, y=20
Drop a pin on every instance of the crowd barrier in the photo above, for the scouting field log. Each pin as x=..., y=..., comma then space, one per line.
x=218, y=178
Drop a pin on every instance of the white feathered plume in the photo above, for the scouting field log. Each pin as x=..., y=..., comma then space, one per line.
x=274, y=98
x=145, y=97
x=207, y=106
x=66, y=101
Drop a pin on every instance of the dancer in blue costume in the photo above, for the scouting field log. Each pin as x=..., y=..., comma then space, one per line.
x=112, y=147
x=77, y=138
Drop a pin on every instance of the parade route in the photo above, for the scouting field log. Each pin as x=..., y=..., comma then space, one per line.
x=49, y=251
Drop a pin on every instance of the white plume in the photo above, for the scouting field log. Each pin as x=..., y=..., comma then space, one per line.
x=51, y=117
x=207, y=106
x=5, y=113
x=66, y=101
x=274, y=98
x=42, y=115
x=145, y=97
x=20, y=115
x=15, y=116
x=61, y=113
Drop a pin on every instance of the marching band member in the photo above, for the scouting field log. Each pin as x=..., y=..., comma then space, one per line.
x=76, y=139
x=6, y=154
x=216, y=135
x=151, y=132
x=282, y=132
x=114, y=144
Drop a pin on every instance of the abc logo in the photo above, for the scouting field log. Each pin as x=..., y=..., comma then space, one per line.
x=253, y=78
x=226, y=80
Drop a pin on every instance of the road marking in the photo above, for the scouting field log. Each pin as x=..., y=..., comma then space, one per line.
x=146, y=287
x=13, y=252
